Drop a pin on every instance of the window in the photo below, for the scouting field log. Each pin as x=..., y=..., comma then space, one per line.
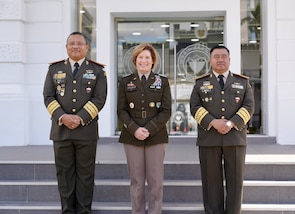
x=183, y=51
x=87, y=24
x=251, y=55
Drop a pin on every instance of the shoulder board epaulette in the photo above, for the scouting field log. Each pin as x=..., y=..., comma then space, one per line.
x=200, y=77
x=51, y=63
x=162, y=75
x=127, y=75
x=240, y=75
x=90, y=60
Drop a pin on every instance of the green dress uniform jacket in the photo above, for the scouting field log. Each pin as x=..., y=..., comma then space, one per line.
x=148, y=107
x=235, y=103
x=83, y=95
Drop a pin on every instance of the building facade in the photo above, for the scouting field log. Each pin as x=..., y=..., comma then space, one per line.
x=35, y=31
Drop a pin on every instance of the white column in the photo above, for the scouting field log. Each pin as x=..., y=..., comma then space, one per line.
x=48, y=24
x=285, y=75
x=12, y=95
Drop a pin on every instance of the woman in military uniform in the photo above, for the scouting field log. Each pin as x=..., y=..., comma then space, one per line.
x=144, y=107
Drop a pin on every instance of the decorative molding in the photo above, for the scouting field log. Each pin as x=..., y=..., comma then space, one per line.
x=10, y=10
x=11, y=52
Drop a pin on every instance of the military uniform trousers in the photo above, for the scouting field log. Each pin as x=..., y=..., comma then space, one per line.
x=75, y=165
x=211, y=160
x=146, y=163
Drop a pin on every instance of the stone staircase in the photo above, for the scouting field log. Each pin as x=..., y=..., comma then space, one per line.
x=30, y=187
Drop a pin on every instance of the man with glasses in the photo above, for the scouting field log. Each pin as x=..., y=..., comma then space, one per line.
x=222, y=103
x=75, y=91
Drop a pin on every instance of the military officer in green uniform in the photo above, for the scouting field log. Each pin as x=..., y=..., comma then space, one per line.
x=75, y=91
x=144, y=107
x=222, y=103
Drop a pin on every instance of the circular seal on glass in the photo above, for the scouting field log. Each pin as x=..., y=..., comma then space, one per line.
x=193, y=61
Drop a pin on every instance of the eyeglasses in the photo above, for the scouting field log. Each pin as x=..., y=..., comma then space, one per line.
x=217, y=56
x=76, y=44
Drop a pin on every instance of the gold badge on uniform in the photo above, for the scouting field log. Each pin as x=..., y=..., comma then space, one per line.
x=206, y=87
x=62, y=92
x=60, y=89
x=152, y=104
x=131, y=105
x=61, y=75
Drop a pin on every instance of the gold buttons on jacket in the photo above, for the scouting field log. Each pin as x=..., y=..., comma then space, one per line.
x=74, y=81
x=74, y=90
x=73, y=110
x=74, y=100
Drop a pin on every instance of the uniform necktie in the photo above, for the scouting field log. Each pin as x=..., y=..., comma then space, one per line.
x=143, y=80
x=221, y=82
x=76, y=69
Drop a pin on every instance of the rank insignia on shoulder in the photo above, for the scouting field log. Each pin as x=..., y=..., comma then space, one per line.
x=90, y=60
x=126, y=75
x=200, y=77
x=161, y=75
x=63, y=60
x=240, y=75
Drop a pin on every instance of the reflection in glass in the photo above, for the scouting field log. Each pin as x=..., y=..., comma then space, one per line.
x=251, y=56
x=183, y=50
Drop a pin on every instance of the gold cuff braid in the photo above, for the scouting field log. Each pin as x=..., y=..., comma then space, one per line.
x=91, y=109
x=52, y=107
x=244, y=114
x=200, y=114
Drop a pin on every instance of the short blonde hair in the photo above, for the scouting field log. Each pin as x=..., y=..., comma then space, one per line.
x=145, y=46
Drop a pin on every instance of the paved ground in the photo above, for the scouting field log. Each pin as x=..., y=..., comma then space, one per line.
x=110, y=151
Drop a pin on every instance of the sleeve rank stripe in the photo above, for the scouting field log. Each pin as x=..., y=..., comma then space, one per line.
x=91, y=109
x=244, y=114
x=52, y=107
x=200, y=114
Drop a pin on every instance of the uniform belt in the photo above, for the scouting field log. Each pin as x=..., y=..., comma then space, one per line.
x=142, y=114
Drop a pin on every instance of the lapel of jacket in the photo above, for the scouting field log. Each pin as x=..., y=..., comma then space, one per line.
x=68, y=68
x=82, y=68
x=136, y=81
x=214, y=80
x=150, y=80
x=229, y=80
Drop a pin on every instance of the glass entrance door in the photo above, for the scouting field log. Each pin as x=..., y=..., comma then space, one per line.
x=183, y=51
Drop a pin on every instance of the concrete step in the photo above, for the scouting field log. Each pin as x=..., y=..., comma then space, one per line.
x=28, y=182
x=124, y=208
x=185, y=191
x=283, y=171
